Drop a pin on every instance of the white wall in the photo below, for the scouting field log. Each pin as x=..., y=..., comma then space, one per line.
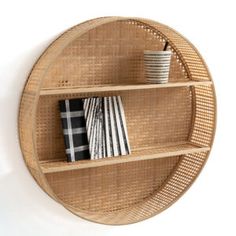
x=27, y=27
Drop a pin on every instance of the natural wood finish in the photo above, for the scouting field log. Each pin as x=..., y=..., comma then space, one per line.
x=171, y=126
x=171, y=150
x=110, y=88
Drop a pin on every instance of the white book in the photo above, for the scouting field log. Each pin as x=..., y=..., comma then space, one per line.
x=108, y=140
x=100, y=121
x=104, y=153
x=121, y=137
x=89, y=116
x=85, y=107
x=113, y=128
x=91, y=126
x=123, y=122
x=94, y=135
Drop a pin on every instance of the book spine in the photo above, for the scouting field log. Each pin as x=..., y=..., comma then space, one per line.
x=69, y=127
x=123, y=123
x=113, y=128
x=121, y=135
x=108, y=135
x=94, y=138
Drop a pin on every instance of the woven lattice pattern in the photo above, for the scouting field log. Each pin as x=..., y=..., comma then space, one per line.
x=122, y=186
x=109, y=52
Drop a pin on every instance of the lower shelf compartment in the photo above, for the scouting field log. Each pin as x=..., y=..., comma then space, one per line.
x=167, y=150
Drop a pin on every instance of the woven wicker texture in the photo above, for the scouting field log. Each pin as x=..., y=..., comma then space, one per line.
x=171, y=127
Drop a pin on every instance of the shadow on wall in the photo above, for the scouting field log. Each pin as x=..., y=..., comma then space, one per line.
x=13, y=78
x=14, y=73
x=21, y=200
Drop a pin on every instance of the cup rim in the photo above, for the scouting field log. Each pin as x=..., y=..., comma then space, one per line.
x=156, y=52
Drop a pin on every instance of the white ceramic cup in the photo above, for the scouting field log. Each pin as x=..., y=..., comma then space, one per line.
x=157, y=66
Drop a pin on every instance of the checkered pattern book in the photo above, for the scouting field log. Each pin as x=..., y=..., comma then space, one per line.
x=74, y=129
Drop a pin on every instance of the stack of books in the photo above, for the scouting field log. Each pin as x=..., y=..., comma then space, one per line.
x=94, y=128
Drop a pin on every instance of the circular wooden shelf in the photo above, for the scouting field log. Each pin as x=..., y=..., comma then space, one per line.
x=171, y=127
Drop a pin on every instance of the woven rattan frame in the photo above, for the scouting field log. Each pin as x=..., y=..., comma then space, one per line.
x=171, y=127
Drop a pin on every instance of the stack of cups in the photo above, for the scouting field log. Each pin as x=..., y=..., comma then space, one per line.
x=157, y=66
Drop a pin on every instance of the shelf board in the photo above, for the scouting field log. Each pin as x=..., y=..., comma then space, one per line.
x=172, y=149
x=107, y=88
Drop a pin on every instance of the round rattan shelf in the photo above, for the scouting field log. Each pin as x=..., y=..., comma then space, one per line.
x=171, y=126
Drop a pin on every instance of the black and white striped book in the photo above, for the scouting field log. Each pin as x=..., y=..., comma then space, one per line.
x=106, y=127
x=123, y=126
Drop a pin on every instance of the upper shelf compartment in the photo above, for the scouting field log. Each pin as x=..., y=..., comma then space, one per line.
x=107, y=88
